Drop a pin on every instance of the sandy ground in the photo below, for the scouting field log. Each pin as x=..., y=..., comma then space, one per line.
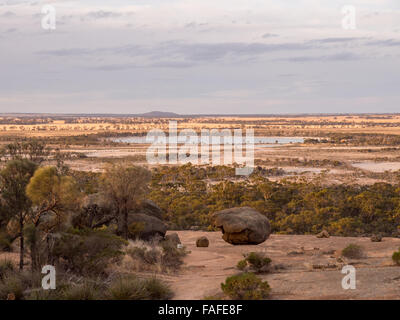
x=206, y=268
x=378, y=167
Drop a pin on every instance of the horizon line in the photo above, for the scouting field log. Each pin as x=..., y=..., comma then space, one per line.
x=166, y=114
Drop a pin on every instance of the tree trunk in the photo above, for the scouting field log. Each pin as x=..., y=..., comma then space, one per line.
x=34, y=258
x=22, y=248
x=126, y=233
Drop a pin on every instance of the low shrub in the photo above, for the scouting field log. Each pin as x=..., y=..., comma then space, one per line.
x=246, y=286
x=16, y=285
x=353, y=251
x=5, y=243
x=11, y=287
x=242, y=264
x=133, y=288
x=159, y=257
x=172, y=257
x=88, y=290
x=157, y=290
x=6, y=266
x=27, y=285
x=255, y=261
x=127, y=288
x=396, y=257
x=87, y=252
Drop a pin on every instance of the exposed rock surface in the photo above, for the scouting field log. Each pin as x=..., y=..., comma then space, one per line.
x=204, y=269
x=242, y=225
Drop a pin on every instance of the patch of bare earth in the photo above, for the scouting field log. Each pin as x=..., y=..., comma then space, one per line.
x=309, y=268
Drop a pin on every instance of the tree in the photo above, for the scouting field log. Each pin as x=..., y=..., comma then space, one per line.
x=125, y=187
x=13, y=181
x=33, y=150
x=50, y=193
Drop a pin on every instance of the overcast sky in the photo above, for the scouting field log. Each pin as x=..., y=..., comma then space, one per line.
x=200, y=56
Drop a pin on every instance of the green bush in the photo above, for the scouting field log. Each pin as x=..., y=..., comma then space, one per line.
x=396, y=257
x=87, y=252
x=246, y=286
x=242, y=264
x=256, y=261
x=353, y=251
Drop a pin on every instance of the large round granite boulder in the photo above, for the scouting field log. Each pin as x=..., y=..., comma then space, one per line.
x=242, y=225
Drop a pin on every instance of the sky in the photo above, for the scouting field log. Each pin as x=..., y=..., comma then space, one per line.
x=200, y=57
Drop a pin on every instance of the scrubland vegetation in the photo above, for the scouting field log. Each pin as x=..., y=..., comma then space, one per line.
x=79, y=220
x=353, y=251
x=43, y=212
x=256, y=262
x=292, y=207
x=246, y=286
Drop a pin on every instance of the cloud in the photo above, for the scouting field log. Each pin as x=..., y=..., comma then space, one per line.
x=337, y=40
x=159, y=64
x=66, y=52
x=345, y=56
x=101, y=14
x=384, y=43
x=269, y=35
x=8, y=14
x=177, y=54
x=182, y=50
x=217, y=51
x=195, y=25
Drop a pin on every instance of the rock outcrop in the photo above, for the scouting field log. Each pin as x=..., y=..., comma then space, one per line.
x=150, y=208
x=242, y=225
x=145, y=227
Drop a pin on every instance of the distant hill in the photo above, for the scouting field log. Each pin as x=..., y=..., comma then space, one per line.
x=159, y=114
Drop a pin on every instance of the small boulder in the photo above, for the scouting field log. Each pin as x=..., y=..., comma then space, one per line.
x=242, y=225
x=202, y=242
x=323, y=234
x=376, y=238
x=173, y=238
